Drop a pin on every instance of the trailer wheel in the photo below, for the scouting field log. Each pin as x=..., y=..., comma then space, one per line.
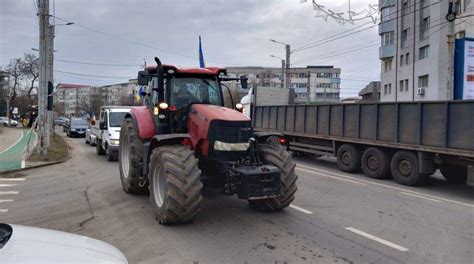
x=454, y=174
x=277, y=155
x=348, y=158
x=405, y=169
x=175, y=184
x=376, y=163
x=130, y=155
x=98, y=149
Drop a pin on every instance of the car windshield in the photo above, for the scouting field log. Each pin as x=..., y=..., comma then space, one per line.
x=79, y=123
x=185, y=91
x=115, y=119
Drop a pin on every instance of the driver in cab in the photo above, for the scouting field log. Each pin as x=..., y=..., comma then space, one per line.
x=181, y=99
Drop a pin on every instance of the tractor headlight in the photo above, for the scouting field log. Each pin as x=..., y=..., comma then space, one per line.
x=223, y=146
x=114, y=141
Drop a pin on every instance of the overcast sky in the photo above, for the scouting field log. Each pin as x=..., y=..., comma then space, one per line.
x=234, y=33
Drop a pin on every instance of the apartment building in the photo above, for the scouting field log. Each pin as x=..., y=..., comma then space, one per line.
x=71, y=98
x=414, y=49
x=311, y=84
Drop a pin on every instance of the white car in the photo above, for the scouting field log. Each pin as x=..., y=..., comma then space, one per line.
x=22, y=244
x=4, y=121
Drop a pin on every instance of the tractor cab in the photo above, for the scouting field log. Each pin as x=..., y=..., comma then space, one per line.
x=172, y=91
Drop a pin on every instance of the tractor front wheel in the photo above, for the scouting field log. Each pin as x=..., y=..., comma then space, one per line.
x=175, y=184
x=275, y=154
x=130, y=156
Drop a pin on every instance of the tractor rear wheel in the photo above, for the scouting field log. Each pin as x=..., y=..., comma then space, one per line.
x=175, y=184
x=275, y=154
x=130, y=157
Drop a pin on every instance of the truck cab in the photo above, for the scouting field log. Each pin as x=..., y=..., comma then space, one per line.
x=107, y=130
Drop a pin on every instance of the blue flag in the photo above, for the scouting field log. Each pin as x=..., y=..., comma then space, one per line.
x=201, y=57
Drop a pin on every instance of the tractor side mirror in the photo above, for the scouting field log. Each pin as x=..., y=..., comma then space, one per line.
x=244, y=82
x=143, y=78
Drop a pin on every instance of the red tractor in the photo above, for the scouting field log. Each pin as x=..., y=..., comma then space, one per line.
x=184, y=136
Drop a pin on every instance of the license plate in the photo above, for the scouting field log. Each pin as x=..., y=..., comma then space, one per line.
x=81, y=132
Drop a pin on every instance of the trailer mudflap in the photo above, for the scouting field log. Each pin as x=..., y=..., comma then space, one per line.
x=254, y=182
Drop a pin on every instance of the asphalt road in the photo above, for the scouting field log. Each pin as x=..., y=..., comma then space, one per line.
x=336, y=217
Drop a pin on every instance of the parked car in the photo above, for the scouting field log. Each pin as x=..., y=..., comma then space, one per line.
x=4, y=121
x=77, y=127
x=90, y=138
x=23, y=244
x=59, y=121
x=66, y=124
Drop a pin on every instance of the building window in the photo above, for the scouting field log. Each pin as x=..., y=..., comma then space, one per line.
x=424, y=52
x=405, y=34
x=407, y=58
x=387, y=65
x=424, y=28
x=387, y=13
x=389, y=88
x=401, y=59
x=387, y=38
x=406, y=84
x=401, y=86
x=423, y=81
x=406, y=8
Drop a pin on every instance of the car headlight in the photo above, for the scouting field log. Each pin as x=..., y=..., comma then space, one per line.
x=223, y=146
x=114, y=141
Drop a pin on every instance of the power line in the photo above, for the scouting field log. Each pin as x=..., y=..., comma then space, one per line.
x=334, y=38
x=97, y=76
x=99, y=64
x=136, y=42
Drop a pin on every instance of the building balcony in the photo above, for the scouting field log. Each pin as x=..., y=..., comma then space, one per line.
x=387, y=26
x=387, y=51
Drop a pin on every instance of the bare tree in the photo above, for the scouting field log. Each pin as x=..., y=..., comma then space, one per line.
x=16, y=76
x=30, y=70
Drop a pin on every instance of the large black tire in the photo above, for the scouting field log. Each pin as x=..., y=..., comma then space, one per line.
x=454, y=174
x=108, y=155
x=99, y=150
x=275, y=154
x=376, y=163
x=175, y=184
x=130, y=157
x=405, y=169
x=348, y=158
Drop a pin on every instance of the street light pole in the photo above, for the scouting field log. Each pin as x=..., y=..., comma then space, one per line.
x=287, y=66
x=283, y=77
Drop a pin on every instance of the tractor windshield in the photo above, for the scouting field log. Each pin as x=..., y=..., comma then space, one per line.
x=185, y=91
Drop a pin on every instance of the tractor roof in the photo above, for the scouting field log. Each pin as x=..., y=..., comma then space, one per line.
x=206, y=71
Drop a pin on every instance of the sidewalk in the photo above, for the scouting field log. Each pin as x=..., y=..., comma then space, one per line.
x=13, y=144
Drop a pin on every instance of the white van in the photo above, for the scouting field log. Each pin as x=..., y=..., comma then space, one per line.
x=106, y=131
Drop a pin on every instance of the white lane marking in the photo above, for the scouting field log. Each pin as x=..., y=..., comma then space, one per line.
x=11, y=146
x=9, y=192
x=8, y=185
x=3, y=210
x=377, y=239
x=420, y=196
x=12, y=179
x=332, y=177
x=300, y=209
x=392, y=187
x=6, y=200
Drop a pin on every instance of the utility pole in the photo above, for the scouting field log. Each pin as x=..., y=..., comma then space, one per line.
x=43, y=12
x=283, y=77
x=287, y=68
x=450, y=17
x=49, y=119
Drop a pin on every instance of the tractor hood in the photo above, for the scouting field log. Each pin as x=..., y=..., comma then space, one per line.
x=214, y=112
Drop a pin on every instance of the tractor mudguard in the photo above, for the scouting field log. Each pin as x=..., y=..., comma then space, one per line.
x=143, y=119
x=167, y=139
x=262, y=135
